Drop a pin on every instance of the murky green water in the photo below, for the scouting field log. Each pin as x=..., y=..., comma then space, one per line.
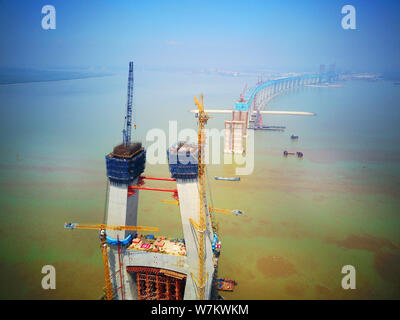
x=304, y=219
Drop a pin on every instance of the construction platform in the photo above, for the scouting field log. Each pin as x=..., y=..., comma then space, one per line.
x=158, y=284
x=125, y=163
x=182, y=160
x=159, y=245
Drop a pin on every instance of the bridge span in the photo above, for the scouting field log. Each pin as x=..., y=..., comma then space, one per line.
x=249, y=108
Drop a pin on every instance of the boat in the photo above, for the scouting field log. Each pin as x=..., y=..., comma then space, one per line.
x=237, y=212
x=227, y=178
x=268, y=128
x=226, y=284
x=298, y=154
x=287, y=153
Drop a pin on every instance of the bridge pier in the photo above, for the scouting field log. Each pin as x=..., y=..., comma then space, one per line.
x=255, y=99
x=236, y=131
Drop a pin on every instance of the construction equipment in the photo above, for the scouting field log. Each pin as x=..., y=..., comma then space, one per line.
x=227, y=178
x=241, y=99
x=129, y=118
x=201, y=225
x=175, y=202
x=104, y=245
x=217, y=210
x=259, y=121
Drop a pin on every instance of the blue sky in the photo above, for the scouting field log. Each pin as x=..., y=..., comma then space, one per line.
x=286, y=35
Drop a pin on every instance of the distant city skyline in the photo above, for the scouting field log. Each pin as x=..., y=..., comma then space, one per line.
x=233, y=35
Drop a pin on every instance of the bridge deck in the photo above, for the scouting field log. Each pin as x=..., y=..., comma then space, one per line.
x=295, y=113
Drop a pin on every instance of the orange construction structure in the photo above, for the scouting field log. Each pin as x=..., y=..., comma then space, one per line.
x=158, y=284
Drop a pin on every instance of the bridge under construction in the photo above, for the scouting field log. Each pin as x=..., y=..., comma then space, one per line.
x=250, y=107
x=153, y=267
x=149, y=267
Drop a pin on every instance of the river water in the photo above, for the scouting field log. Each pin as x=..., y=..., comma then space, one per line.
x=304, y=219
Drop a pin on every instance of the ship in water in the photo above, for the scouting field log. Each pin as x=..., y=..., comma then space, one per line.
x=143, y=266
x=227, y=178
x=226, y=284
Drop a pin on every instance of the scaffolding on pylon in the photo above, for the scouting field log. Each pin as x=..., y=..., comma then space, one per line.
x=158, y=284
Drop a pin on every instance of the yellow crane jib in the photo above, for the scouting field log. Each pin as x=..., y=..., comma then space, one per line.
x=104, y=245
x=216, y=210
x=228, y=211
x=171, y=202
x=100, y=226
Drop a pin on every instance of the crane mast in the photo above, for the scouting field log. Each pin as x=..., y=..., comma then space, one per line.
x=203, y=118
x=104, y=253
x=129, y=109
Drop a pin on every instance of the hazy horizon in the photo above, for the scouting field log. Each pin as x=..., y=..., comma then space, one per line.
x=285, y=36
x=304, y=218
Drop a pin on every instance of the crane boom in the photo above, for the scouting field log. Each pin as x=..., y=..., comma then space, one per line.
x=203, y=118
x=241, y=99
x=108, y=227
x=104, y=245
x=228, y=211
x=129, y=109
x=212, y=209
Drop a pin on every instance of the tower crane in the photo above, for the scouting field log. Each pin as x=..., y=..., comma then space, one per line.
x=202, y=121
x=129, y=118
x=228, y=211
x=104, y=246
x=241, y=99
